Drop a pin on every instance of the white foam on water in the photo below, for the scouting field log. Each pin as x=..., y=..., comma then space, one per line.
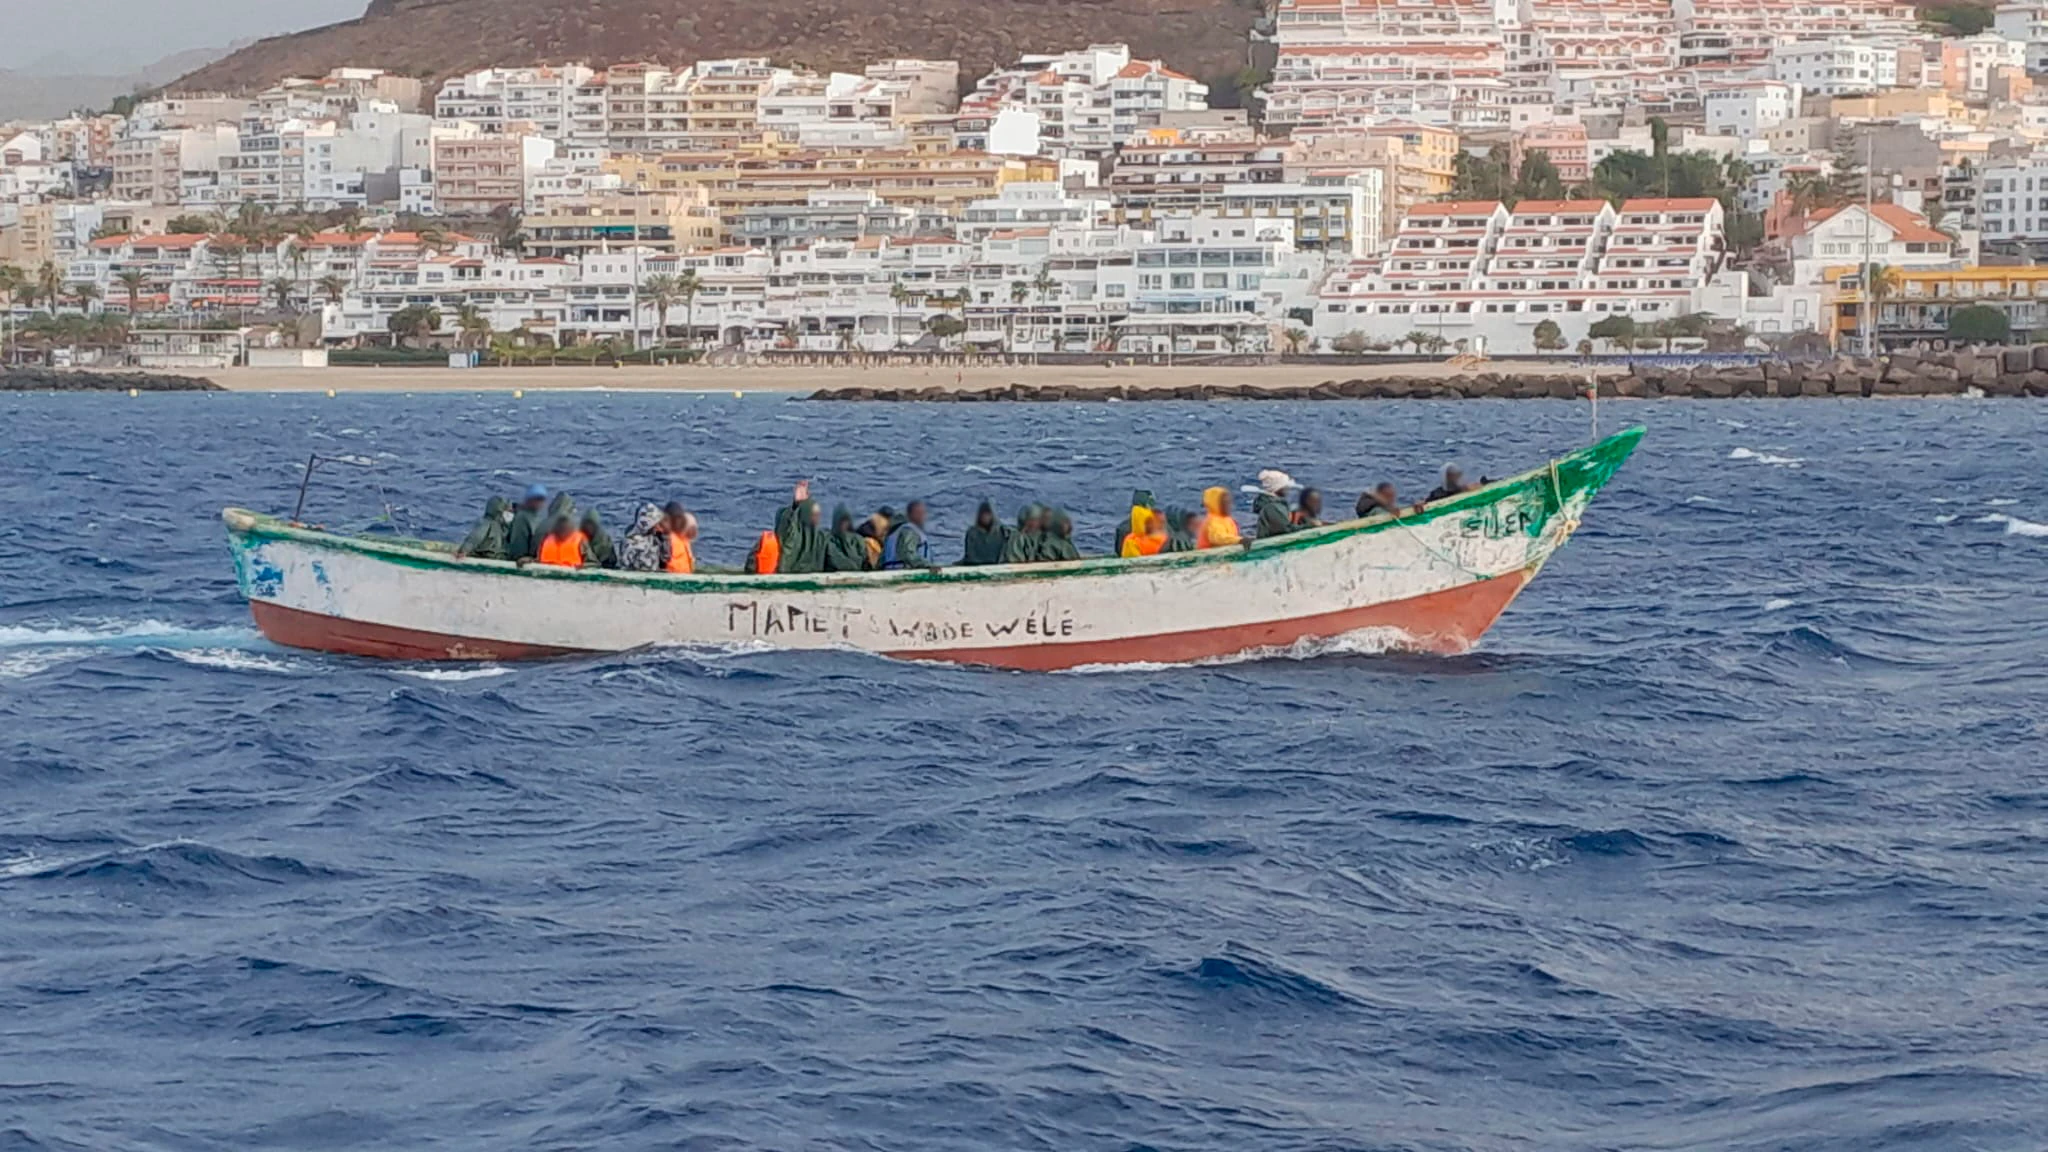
x=1765, y=458
x=1701, y=500
x=981, y=468
x=233, y=660
x=1778, y=605
x=1364, y=642
x=454, y=674
x=1731, y=423
x=1946, y=518
x=116, y=633
x=2014, y=526
x=21, y=665
x=2002, y=502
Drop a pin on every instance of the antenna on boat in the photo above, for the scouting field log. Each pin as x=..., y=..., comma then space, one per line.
x=314, y=461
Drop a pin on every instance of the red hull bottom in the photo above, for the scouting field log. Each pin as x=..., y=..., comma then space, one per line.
x=1447, y=623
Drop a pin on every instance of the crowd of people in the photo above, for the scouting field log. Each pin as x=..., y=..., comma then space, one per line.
x=548, y=528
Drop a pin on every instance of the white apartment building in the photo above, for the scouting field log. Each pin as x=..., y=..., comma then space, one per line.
x=544, y=97
x=1835, y=67
x=1582, y=53
x=2012, y=200
x=1354, y=61
x=1889, y=235
x=151, y=165
x=1212, y=284
x=1987, y=52
x=1030, y=205
x=1744, y=32
x=1087, y=103
x=2027, y=22
x=1482, y=278
x=1745, y=109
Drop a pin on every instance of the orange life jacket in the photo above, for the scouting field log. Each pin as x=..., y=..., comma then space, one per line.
x=1142, y=544
x=562, y=553
x=767, y=554
x=681, y=559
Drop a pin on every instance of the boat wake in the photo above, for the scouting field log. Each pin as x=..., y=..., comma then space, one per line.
x=34, y=648
x=2014, y=526
x=1364, y=642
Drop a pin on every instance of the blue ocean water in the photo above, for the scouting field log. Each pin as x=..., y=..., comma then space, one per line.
x=1731, y=836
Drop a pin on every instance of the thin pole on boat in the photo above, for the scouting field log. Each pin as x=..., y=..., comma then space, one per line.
x=304, y=481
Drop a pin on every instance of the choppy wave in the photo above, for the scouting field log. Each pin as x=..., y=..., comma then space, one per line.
x=1725, y=838
x=1765, y=458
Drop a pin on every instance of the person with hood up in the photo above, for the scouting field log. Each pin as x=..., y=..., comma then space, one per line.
x=798, y=531
x=1148, y=538
x=486, y=539
x=1218, y=524
x=1058, y=544
x=846, y=550
x=1026, y=545
x=1181, y=524
x=906, y=546
x=645, y=548
x=603, y=553
x=1141, y=502
x=1270, y=505
x=1308, y=509
x=522, y=535
x=985, y=537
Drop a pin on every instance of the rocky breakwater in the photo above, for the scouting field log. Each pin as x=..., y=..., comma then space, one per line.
x=68, y=380
x=1995, y=372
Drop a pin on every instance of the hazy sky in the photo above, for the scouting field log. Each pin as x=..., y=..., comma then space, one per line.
x=112, y=36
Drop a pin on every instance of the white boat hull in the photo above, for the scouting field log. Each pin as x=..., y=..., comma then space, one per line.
x=1432, y=581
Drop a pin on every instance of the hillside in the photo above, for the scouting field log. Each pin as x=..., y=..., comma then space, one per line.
x=439, y=38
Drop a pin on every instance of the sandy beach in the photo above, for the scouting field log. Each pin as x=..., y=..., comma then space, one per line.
x=779, y=378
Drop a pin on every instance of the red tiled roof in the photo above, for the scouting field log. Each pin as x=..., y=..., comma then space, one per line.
x=1686, y=204
x=1456, y=208
x=1530, y=207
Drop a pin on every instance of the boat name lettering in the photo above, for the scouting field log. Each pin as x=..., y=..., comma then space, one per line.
x=755, y=618
x=934, y=631
x=1503, y=520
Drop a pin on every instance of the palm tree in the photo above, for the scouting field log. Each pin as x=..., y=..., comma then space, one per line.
x=50, y=285
x=133, y=281
x=1295, y=338
x=433, y=237
x=83, y=295
x=474, y=325
x=333, y=287
x=1881, y=282
x=659, y=293
x=901, y=296
x=506, y=234
x=281, y=290
x=687, y=286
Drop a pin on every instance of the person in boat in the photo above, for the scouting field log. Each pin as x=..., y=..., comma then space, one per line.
x=1141, y=502
x=682, y=541
x=1453, y=485
x=1058, y=546
x=906, y=546
x=486, y=539
x=846, y=550
x=522, y=535
x=1181, y=524
x=1308, y=510
x=646, y=547
x=985, y=537
x=1381, y=501
x=1148, y=538
x=564, y=546
x=1217, y=527
x=1027, y=544
x=872, y=532
x=801, y=535
x=603, y=552
x=1269, y=507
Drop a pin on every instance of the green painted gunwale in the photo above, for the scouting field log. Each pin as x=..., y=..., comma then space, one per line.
x=1586, y=470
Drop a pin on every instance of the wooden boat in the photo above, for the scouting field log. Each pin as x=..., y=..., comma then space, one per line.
x=1432, y=580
